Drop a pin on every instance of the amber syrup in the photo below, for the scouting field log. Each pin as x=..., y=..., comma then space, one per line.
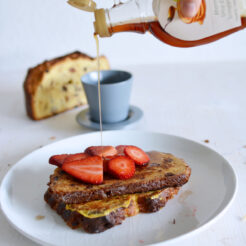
x=99, y=88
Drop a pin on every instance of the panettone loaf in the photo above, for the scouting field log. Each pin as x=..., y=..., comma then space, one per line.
x=54, y=86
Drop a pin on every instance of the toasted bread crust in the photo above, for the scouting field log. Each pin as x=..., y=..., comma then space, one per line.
x=163, y=170
x=144, y=203
x=36, y=74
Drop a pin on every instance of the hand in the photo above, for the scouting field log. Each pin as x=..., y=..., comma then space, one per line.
x=189, y=8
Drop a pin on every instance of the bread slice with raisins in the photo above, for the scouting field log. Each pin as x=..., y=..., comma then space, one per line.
x=55, y=86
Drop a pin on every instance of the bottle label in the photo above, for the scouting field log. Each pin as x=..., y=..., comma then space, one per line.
x=213, y=17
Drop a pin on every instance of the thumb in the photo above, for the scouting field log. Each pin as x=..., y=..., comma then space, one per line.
x=189, y=8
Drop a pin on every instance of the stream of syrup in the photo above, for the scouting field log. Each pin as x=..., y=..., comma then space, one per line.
x=99, y=88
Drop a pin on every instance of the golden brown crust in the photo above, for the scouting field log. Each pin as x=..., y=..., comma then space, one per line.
x=144, y=203
x=163, y=170
x=35, y=75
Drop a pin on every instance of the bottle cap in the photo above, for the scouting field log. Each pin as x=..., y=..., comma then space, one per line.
x=86, y=5
x=100, y=24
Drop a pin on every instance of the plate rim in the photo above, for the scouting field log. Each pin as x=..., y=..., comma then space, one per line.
x=171, y=240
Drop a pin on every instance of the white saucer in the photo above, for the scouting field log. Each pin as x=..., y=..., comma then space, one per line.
x=135, y=114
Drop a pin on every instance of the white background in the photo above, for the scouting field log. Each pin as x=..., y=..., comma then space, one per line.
x=34, y=30
x=200, y=95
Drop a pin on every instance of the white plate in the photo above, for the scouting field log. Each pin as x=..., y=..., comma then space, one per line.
x=200, y=202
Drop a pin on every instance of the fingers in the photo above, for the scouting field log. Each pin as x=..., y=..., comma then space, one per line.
x=189, y=8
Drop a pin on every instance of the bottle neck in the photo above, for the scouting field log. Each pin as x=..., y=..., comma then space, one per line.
x=132, y=12
x=100, y=23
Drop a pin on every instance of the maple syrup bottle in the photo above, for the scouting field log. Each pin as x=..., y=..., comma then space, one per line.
x=163, y=18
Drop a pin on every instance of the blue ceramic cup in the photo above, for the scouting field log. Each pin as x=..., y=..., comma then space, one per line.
x=115, y=94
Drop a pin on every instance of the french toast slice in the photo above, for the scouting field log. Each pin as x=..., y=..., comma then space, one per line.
x=100, y=215
x=163, y=170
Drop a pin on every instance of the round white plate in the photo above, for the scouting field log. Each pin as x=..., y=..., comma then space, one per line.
x=200, y=202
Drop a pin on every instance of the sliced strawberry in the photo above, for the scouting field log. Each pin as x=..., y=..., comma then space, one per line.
x=120, y=149
x=75, y=157
x=89, y=170
x=103, y=151
x=105, y=163
x=137, y=154
x=121, y=167
x=58, y=159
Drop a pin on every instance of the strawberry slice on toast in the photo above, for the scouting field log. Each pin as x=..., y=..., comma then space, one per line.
x=121, y=167
x=120, y=149
x=58, y=160
x=76, y=157
x=103, y=151
x=137, y=155
x=89, y=170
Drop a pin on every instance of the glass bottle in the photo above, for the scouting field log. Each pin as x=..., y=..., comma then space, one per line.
x=163, y=18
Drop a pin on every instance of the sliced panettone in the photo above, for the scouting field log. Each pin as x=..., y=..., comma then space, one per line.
x=55, y=86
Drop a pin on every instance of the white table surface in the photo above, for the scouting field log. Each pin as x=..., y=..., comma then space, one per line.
x=196, y=101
